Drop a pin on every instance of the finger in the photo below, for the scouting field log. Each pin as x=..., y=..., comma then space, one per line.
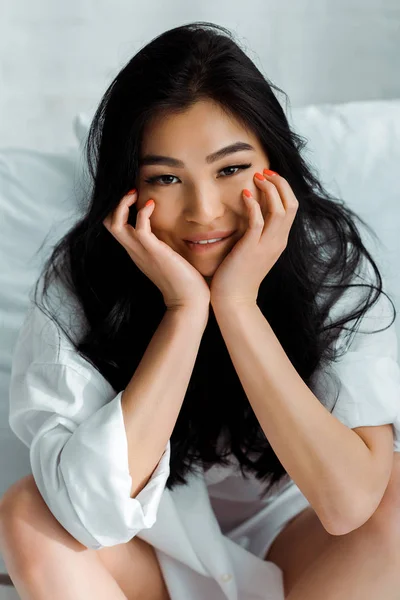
x=271, y=195
x=286, y=193
x=110, y=221
x=256, y=219
x=288, y=200
x=276, y=215
x=143, y=217
x=118, y=224
x=121, y=213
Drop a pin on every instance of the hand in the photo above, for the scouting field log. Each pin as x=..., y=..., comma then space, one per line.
x=179, y=282
x=271, y=216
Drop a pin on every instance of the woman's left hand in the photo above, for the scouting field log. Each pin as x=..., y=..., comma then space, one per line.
x=271, y=216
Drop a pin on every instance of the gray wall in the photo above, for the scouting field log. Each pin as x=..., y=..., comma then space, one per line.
x=57, y=57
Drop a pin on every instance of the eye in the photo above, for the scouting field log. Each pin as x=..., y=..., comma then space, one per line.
x=160, y=179
x=240, y=167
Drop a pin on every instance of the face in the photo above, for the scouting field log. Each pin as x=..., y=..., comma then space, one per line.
x=193, y=194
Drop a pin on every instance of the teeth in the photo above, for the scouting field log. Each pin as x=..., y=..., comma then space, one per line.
x=208, y=241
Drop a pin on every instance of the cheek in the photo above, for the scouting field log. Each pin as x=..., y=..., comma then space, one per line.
x=163, y=224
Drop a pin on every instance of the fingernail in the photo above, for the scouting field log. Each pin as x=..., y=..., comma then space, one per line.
x=259, y=176
x=269, y=172
x=247, y=193
x=132, y=191
x=149, y=202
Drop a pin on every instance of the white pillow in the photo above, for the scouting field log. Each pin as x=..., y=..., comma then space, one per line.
x=39, y=200
x=355, y=148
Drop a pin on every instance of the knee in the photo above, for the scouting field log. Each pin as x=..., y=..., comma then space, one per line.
x=25, y=517
x=18, y=500
x=19, y=505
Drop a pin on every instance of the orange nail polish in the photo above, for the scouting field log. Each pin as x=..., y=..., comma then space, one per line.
x=247, y=193
x=259, y=176
x=133, y=191
x=269, y=172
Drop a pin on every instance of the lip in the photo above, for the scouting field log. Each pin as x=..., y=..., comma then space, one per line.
x=201, y=248
x=210, y=235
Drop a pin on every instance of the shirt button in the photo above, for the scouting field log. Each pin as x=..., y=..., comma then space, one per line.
x=226, y=577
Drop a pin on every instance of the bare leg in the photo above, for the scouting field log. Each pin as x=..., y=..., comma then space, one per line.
x=45, y=562
x=353, y=566
x=76, y=577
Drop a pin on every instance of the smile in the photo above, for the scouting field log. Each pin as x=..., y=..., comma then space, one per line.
x=201, y=248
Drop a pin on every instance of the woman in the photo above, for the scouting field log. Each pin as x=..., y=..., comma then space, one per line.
x=196, y=430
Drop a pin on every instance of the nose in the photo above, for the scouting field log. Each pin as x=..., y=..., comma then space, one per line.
x=204, y=205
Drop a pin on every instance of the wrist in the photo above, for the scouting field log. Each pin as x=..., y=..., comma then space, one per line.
x=228, y=304
x=194, y=312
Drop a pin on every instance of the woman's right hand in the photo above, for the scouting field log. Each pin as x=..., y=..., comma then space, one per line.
x=179, y=282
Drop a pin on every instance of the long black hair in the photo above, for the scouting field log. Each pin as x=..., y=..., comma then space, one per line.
x=123, y=308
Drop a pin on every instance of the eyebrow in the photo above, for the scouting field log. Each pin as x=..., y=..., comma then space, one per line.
x=158, y=159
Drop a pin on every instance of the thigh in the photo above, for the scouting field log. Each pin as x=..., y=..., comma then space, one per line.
x=298, y=545
x=34, y=533
x=136, y=569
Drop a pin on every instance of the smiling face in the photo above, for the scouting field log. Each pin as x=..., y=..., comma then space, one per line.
x=194, y=194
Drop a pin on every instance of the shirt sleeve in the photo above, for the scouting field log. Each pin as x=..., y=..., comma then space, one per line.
x=366, y=378
x=72, y=422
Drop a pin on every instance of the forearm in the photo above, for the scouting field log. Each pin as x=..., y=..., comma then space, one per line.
x=328, y=461
x=153, y=398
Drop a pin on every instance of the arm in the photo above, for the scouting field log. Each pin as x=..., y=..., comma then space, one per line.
x=329, y=462
x=73, y=423
x=153, y=398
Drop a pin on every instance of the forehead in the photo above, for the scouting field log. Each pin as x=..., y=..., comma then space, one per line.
x=200, y=129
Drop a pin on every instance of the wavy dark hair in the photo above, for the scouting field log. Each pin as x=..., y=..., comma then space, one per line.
x=196, y=61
